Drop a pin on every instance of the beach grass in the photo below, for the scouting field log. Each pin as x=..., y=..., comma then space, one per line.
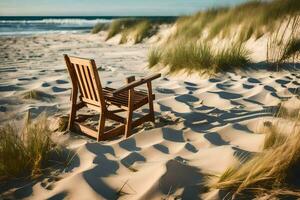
x=270, y=173
x=137, y=32
x=192, y=46
x=120, y=25
x=231, y=57
x=37, y=95
x=135, y=29
x=99, y=27
x=247, y=19
x=187, y=55
x=292, y=49
x=154, y=56
x=190, y=55
x=25, y=152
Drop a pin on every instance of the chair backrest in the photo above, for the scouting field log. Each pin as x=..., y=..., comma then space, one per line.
x=84, y=75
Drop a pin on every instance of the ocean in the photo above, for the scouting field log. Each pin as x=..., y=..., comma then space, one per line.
x=55, y=24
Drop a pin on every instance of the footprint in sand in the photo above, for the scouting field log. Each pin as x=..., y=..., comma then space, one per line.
x=162, y=148
x=189, y=83
x=8, y=69
x=282, y=82
x=8, y=88
x=58, y=89
x=269, y=88
x=60, y=70
x=294, y=90
x=287, y=77
x=27, y=79
x=3, y=109
x=61, y=81
x=45, y=84
x=248, y=86
x=165, y=90
x=191, y=148
x=214, y=80
x=187, y=98
x=253, y=80
x=296, y=83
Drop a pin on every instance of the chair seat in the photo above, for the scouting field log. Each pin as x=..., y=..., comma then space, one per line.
x=121, y=100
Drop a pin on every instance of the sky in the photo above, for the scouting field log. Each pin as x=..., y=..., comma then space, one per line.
x=108, y=7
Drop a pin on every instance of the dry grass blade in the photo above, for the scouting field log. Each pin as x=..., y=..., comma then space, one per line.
x=271, y=170
x=27, y=151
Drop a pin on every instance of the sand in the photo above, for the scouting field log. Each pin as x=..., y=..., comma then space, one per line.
x=203, y=125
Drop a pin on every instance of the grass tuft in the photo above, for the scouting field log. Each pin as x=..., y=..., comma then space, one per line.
x=274, y=137
x=99, y=27
x=136, y=32
x=134, y=29
x=141, y=30
x=25, y=152
x=118, y=25
x=63, y=123
x=190, y=55
x=154, y=57
x=232, y=57
x=37, y=95
x=292, y=49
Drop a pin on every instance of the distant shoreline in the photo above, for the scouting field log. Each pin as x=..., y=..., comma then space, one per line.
x=30, y=25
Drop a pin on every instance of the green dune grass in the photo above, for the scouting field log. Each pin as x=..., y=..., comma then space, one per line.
x=184, y=49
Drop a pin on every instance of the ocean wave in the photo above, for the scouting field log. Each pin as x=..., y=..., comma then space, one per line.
x=12, y=33
x=58, y=21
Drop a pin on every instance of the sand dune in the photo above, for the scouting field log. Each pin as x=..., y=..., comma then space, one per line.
x=203, y=124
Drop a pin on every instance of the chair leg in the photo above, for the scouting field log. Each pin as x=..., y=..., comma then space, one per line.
x=101, y=126
x=128, y=123
x=151, y=112
x=150, y=101
x=72, y=115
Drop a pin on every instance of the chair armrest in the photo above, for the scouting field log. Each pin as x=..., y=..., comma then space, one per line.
x=136, y=83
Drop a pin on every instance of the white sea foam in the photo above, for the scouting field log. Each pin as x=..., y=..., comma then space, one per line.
x=10, y=33
x=57, y=21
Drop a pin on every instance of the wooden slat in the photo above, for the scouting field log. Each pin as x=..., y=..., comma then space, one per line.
x=141, y=120
x=80, y=80
x=94, y=84
x=115, y=117
x=136, y=83
x=79, y=61
x=85, y=85
x=82, y=118
x=140, y=104
x=117, y=110
x=93, y=107
x=89, y=101
x=86, y=130
x=89, y=83
x=98, y=86
x=110, y=91
x=113, y=132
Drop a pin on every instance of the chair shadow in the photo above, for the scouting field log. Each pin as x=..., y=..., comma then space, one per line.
x=103, y=168
x=179, y=175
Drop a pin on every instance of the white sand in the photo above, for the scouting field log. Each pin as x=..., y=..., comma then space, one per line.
x=203, y=124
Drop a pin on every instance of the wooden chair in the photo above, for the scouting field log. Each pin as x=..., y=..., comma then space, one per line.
x=86, y=83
